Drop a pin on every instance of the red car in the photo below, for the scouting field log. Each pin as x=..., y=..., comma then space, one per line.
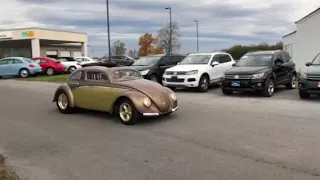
x=49, y=66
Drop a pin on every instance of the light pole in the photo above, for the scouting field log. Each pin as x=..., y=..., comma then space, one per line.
x=197, y=22
x=170, y=32
x=108, y=24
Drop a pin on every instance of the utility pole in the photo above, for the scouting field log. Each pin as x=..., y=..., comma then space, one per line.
x=170, y=41
x=197, y=22
x=108, y=25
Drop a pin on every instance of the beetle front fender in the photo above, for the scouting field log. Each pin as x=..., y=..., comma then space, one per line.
x=66, y=89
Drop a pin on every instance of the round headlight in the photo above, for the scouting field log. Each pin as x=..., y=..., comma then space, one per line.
x=173, y=96
x=147, y=102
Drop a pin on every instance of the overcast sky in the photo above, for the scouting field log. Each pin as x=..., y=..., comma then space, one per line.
x=222, y=23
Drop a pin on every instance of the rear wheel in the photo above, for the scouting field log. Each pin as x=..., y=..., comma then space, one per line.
x=304, y=94
x=50, y=71
x=63, y=103
x=127, y=112
x=23, y=73
x=203, y=83
x=293, y=83
x=268, y=88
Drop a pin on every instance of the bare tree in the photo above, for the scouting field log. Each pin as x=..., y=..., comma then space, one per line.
x=163, y=37
x=118, y=48
x=133, y=53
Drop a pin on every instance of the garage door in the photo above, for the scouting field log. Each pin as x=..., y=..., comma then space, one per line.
x=52, y=53
x=77, y=54
x=65, y=54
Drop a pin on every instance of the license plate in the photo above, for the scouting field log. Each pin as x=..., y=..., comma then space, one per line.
x=174, y=77
x=318, y=84
x=235, y=83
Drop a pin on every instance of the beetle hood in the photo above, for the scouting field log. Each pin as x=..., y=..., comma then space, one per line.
x=156, y=92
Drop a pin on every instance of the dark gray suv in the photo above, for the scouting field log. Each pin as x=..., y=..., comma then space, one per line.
x=309, y=82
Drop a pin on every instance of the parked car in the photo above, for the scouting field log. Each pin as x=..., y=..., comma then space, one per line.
x=153, y=67
x=199, y=70
x=260, y=71
x=123, y=60
x=309, y=82
x=85, y=60
x=70, y=64
x=18, y=66
x=127, y=94
x=49, y=66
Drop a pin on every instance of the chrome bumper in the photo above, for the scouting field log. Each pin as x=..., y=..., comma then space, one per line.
x=157, y=114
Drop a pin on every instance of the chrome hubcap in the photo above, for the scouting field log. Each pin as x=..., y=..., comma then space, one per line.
x=271, y=88
x=62, y=101
x=293, y=82
x=24, y=73
x=125, y=112
x=50, y=71
x=72, y=69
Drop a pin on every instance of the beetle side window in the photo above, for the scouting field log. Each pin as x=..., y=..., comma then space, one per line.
x=4, y=61
x=16, y=61
x=76, y=76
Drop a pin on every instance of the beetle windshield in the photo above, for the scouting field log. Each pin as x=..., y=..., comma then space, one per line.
x=125, y=75
x=255, y=60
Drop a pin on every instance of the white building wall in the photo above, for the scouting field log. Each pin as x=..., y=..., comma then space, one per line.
x=307, y=40
x=289, y=43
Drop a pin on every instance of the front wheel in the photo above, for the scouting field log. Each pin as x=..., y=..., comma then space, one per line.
x=292, y=84
x=203, y=84
x=304, y=94
x=127, y=112
x=63, y=103
x=268, y=88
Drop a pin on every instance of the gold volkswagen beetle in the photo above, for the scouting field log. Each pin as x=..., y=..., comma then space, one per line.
x=119, y=90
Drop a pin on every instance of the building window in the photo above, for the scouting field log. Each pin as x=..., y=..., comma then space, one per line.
x=15, y=52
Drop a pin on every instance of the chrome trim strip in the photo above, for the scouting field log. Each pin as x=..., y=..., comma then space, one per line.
x=151, y=114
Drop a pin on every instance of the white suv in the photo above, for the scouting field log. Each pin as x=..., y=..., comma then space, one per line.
x=198, y=70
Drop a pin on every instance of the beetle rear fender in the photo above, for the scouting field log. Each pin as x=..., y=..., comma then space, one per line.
x=135, y=97
x=66, y=89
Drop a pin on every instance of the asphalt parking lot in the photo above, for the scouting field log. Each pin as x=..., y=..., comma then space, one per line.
x=210, y=137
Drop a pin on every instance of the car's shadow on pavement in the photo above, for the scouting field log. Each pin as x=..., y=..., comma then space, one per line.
x=114, y=119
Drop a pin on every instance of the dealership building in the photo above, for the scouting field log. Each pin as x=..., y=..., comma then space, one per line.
x=303, y=44
x=33, y=42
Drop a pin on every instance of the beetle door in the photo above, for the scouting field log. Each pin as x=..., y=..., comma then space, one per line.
x=94, y=93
